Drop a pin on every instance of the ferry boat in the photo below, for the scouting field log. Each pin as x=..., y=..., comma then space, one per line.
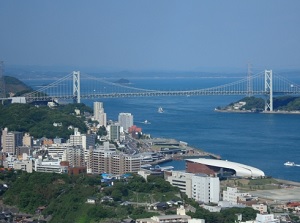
x=288, y=163
x=160, y=110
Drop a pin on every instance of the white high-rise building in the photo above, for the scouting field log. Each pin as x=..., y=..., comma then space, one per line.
x=99, y=114
x=125, y=120
x=206, y=189
x=199, y=187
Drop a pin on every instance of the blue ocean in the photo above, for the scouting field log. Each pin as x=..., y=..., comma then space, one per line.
x=265, y=141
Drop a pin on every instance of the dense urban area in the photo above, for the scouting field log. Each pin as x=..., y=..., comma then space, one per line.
x=68, y=163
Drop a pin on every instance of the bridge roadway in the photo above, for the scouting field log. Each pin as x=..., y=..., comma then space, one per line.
x=161, y=93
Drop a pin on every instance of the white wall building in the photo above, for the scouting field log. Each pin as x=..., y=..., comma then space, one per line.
x=99, y=114
x=199, y=187
x=49, y=166
x=57, y=150
x=206, y=189
x=231, y=195
x=25, y=165
x=125, y=120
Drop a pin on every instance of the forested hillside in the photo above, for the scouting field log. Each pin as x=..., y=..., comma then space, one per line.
x=38, y=121
x=15, y=86
x=64, y=198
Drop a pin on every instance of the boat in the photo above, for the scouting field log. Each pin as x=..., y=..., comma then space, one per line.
x=288, y=163
x=147, y=122
x=160, y=110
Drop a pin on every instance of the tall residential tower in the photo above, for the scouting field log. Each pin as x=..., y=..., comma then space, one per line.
x=99, y=114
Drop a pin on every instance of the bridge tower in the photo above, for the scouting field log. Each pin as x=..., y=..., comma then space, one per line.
x=76, y=86
x=269, y=90
x=249, y=81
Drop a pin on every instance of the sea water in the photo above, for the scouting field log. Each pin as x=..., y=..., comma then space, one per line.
x=265, y=141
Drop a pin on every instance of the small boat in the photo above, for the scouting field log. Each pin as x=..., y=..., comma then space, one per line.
x=147, y=122
x=288, y=163
x=160, y=110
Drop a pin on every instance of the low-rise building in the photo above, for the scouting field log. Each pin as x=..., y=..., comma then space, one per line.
x=179, y=217
x=49, y=166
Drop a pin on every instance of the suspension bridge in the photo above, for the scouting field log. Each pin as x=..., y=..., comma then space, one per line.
x=76, y=86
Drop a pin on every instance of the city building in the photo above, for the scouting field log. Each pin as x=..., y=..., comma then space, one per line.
x=75, y=156
x=84, y=140
x=125, y=120
x=20, y=150
x=234, y=196
x=11, y=140
x=50, y=166
x=222, y=168
x=56, y=151
x=105, y=159
x=99, y=114
x=199, y=187
x=206, y=189
x=179, y=217
x=24, y=165
x=262, y=208
x=263, y=218
x=114, y=132
x=98, y=159
x=27, y=140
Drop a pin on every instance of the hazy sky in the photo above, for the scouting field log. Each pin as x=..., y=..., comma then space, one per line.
x=151, y=35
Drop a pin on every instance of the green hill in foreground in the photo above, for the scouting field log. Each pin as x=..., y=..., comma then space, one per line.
x=64, y=198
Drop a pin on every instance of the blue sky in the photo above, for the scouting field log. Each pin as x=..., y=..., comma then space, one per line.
x=151, y=35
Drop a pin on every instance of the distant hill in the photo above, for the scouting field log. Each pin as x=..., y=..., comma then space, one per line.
x=122, y=81
x=15, y=86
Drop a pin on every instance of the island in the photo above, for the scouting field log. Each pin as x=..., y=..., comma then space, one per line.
x=283, y=104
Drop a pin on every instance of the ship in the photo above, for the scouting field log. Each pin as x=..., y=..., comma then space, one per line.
x=288, y=163
x=160, y=110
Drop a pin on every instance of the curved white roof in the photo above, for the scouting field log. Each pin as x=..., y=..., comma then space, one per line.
x=240, y=169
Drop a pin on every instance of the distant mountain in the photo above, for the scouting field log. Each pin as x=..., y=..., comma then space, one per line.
x=14, y=86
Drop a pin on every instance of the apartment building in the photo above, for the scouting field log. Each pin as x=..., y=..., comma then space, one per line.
x=84, y=140
x=106, y=159
x=11, y=140
x=99, y=114
x=75, y=156
x=125, y=120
